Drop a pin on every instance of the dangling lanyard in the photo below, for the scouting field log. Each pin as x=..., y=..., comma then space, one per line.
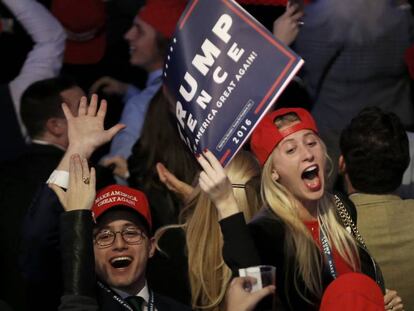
x=119, y=300
x=151, y=301
x=328, y=253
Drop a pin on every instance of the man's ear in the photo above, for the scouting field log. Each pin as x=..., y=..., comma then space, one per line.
x=151, y=247
x=341, y=165
x=56, y=126
x=275, y=175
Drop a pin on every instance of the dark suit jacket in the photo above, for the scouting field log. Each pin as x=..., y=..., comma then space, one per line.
x=20, y=178
x=85, y=303
x=39, y=258
x=162, y=303
x=79, y=275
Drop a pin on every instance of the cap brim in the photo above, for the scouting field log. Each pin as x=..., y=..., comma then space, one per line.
x=88, y=52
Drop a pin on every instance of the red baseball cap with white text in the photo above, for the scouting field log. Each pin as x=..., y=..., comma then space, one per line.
x=122, y=196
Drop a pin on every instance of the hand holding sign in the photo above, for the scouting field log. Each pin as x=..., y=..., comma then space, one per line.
x=215, y=183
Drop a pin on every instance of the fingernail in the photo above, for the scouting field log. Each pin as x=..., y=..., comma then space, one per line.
x=197, y=155
x=205, y=150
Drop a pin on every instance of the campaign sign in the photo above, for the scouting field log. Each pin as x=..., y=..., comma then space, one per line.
x=223, y=72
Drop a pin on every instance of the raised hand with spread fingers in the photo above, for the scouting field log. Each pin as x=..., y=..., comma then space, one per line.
x=86, y=130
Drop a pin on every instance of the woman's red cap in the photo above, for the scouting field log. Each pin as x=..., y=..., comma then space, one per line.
x=267, y=136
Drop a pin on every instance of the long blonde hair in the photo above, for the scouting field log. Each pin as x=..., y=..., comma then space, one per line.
x=309, y=264
x=208, y=274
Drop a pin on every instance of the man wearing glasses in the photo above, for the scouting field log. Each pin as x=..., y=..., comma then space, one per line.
x=122, y=240
x=121, y=259
x=122, y=245
x=113, y=242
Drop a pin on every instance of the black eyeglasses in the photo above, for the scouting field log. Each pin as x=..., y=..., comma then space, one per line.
x=131, y=235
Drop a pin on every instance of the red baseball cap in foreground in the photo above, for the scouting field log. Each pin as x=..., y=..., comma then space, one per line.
x=352, y=292
x=122, y=196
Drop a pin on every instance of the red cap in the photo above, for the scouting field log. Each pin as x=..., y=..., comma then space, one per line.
x=267, y=136
x=352, y=291
x=163, y=15
x=84, y=22
x=117, y=195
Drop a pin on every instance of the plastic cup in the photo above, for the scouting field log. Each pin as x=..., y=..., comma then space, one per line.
x=264, y=275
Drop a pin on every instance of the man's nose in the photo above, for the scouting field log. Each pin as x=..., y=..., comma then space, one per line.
x=119, y=242
x=128, y=34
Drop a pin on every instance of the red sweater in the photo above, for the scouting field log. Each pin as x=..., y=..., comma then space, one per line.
x=341, y=265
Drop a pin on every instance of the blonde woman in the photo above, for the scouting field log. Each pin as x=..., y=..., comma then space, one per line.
x=299, y=231
x=208, y=275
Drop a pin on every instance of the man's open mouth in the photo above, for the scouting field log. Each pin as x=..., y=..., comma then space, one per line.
x=121, y=262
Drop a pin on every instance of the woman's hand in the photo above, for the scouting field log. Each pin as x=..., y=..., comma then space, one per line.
x=182, y=189
x=215, y=183
x=81, y=191
x=286, y=27
x=238, y=298
x=392, y=301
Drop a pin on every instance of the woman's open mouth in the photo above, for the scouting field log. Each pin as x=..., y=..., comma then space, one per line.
x=311, y=178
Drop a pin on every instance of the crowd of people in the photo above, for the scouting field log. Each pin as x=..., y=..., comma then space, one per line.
x=103, y=206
